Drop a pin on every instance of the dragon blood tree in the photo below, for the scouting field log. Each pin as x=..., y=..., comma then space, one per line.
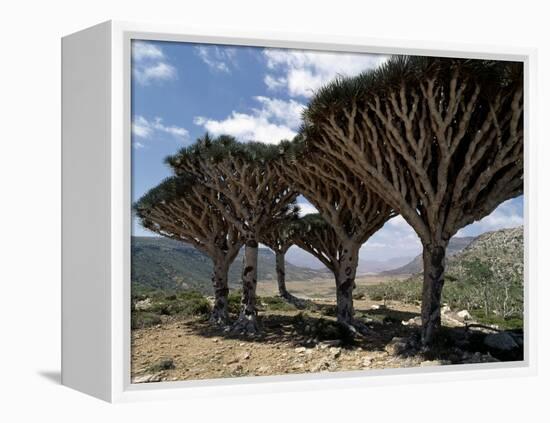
x=351, y=210
x=251, y=196
x=440, y=140
x=179, y=208
x=279, y=238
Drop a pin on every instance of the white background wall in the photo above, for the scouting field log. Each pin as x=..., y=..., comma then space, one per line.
x=30, y=205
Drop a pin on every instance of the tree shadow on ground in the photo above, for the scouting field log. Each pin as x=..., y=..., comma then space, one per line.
x=307, y=329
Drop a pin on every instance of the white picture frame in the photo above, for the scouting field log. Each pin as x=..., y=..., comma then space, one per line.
x=96, y=227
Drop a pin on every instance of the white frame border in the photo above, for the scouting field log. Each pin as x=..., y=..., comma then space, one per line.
x=120, y=155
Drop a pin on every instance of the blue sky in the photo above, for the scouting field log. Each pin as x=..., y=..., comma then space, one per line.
x=182, y=90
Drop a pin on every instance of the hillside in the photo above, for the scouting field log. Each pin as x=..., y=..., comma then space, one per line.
x=485, y=278
x=165, y=264
x=456, y=244
x=302, y=258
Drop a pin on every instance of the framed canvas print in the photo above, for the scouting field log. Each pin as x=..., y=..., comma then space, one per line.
x=246, y=213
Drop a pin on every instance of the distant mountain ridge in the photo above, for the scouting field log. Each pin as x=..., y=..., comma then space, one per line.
x=165, y=264
x=456, y=245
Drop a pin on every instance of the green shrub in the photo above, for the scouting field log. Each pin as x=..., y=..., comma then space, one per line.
x=184, y=303
x=165, y=363
x=406, y=291
x=277, y=304
x=144, y=319
x=234, y=301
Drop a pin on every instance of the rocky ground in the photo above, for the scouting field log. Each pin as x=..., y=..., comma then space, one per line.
x=305, y=341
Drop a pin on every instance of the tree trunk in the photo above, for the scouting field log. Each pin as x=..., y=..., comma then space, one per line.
x=220, y=313
x=280, y=268
x=434, y=268
x=247, y=322
x=281, y=281
x=345, y=284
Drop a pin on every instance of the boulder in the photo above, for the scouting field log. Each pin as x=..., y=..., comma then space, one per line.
x=143, y=304
x=329, y=343
x=415, y=321
x=148, y=378
x=335, y=352
x=502, y=341
x=397, y=346
x=464, y=315
x=477, y=357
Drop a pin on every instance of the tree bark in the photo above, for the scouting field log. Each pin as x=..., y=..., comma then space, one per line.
x=281, y=282
x=220, y=314
x=345, y=284
x=434, y=268
x=247, y=323
x=280, y=268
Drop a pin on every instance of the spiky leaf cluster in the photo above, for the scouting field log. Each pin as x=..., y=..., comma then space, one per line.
x=314, y=235
x=280, y=236
x=440, y=140
x=353, y=210
x=251, y=195
x=183, y=210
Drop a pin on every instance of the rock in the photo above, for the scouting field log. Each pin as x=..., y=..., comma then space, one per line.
x=366, y=362
x=329, y=343
x=396, y=346
x=375, y=307
x=445, y=309
x=323, y=364
x=143, y=304
x=488, y=358
x=518, y=338
x=415, y=321
x=246, y=355
x=464, y=315
x=148, y=378
x=300, y=350
x=263, y=369
x=335, y=352
x=450, y=320
x=236, y=367
x=165, y=363
x=477, y=357
x=502, y=341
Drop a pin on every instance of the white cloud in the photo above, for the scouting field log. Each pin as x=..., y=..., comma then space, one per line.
x=395, y=239
x=147, y=129
x=142, y=50
x=138, y=145
x=307, y=208
x=272, y=122
x=149, y=64
x=303, y=72
x=218, y=59
x=288, y=113
x=274, y=83
x=507, y=215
